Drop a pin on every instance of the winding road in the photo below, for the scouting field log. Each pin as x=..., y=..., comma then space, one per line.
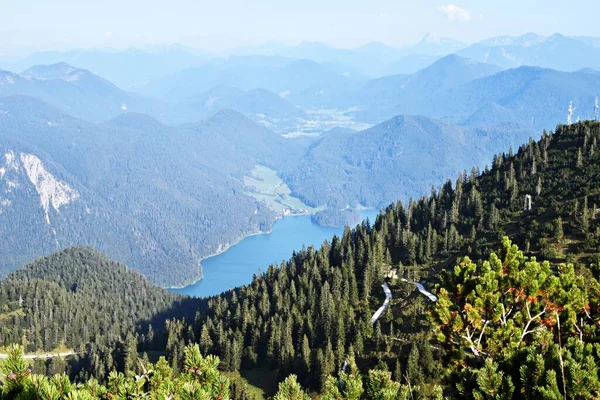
x=422, y=289
x=386, y=303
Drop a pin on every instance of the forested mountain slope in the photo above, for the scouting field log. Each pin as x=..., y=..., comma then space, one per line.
x=313, y=312
x=397, y=159
x=307, y=315
x=78, y=299
x=160, y=197
x=144, y=193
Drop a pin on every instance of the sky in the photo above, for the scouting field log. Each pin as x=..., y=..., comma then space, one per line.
x=214, y=25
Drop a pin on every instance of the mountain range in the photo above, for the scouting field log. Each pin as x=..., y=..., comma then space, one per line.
x=157, y=179
x=453, y=88
x=159, y=198
x=76, y=91
x=134, y=68
x=127, y=69
x=300, y=79
x=82, y=94
x=162, y=197
x=396, y=159
x=463, y=91
x=557, y=52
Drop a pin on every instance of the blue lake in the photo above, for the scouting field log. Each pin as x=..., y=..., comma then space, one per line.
x=237, y=265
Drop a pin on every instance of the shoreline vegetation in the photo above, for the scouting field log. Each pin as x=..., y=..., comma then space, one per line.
x=335, y=218
x=235, y=242
x=264, y=185
x=229, y=246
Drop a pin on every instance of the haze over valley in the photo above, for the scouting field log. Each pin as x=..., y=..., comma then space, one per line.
x=162, y=160
x=336, y=202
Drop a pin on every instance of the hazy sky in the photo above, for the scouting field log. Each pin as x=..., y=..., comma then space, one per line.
x=27, y=25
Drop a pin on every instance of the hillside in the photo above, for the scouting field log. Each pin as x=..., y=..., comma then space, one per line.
x=411, y=92
x=397, y=159
x=305, y=316
x=75, y=91
x=534, y=96
x=462, y=91
x=80, y=300
x=312, y=313
x=141, y=192
x=296, y=78
x=254, y=103
x=447, y=72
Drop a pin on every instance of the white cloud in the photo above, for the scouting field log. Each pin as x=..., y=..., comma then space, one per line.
x=455, y=13
x=107, y=34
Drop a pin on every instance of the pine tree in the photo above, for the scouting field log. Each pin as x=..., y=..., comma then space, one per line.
x=397, y=371
x=493, y=384
x=414, y=375
x=206, y=343
x=585, y=218
x=290, y=389
x=320, y=369
x=558, y=229
x=306, y=353
x=130, y=355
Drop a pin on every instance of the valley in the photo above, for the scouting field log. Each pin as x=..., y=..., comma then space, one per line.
x=408, y=220
x=264, y=185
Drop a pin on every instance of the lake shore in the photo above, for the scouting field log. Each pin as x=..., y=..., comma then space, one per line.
x=227, y=247
x=217, y=253
x=273, y=248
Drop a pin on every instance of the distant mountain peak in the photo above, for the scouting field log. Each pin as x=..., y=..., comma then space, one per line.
x=7, y=78
x=433, y=44
x=229, y=115
x=528, y=39
x=60, y=70
x=431, y=38
x=374, y=45
x=451, y=58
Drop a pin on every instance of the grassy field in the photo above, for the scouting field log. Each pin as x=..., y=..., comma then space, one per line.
x=263, y=184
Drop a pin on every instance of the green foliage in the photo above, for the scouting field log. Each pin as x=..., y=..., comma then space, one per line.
x=290, y=390
x=513, y=313
x=77, y=299
x=492, y=384
x=201, y=381
x=348, y=386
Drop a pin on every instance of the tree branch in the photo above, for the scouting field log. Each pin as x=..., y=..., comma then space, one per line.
x=531, y=319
